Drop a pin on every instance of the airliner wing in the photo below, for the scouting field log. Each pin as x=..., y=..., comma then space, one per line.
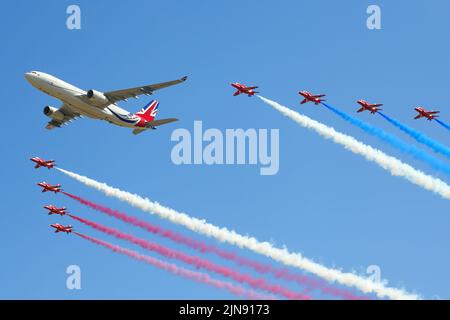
x=69, y=116
x=124, y=94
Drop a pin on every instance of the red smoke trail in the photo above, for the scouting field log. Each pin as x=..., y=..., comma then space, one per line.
x=193, y=275
x=257, y=283
x=200, y=246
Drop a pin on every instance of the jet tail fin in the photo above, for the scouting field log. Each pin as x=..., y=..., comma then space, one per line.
x=148, y=113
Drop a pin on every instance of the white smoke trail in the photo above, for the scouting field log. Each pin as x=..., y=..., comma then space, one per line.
x=232, y=237
x=389, y=163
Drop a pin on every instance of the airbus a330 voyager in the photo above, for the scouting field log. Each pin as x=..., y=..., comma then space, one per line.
x=98, y=105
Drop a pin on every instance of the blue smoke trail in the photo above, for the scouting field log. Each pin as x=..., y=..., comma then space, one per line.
x=446, y=126
x=393, y=140
x=420, y=137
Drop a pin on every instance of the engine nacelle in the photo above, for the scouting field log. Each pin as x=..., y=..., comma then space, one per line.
x=53, y=113
x=97, y=98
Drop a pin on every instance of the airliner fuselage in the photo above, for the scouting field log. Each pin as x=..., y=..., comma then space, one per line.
x=75, y=98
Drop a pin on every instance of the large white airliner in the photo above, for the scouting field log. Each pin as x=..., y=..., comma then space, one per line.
x=98, y=105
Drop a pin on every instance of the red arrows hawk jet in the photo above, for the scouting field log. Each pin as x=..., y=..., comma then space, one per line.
x=372, y=107
x=43, y=163
x=430, y=115
x=309, y=97
x=244, y=89
x=48, y=187
x=54, y=210
x=61, y=228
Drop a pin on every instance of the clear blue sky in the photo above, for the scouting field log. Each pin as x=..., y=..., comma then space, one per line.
x=325, y=202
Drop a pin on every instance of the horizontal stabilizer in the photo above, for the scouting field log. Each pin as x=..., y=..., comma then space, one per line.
x=153, y=124
x=137, y=131
x=161, y=122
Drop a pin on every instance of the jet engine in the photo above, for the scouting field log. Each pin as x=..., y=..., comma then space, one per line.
x=97, y=98
x=53, y=113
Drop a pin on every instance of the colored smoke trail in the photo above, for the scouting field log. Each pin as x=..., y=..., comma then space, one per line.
x=389, y=163
x=446, y=126
x=392, y=140
x=419, y=137
x=203, y=247
x=257, y=283
x=200, y=226
x=193, y=275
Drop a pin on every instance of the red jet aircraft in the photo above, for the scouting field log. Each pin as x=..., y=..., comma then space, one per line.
x=61, y=228
x=372, y=107
x=43, y=163
x=430, y=115
x=54, y=210
x=48, y=187
x=243, y=89
x=309, y=97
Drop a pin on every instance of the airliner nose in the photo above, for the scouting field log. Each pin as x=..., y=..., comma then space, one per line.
x=31, y=77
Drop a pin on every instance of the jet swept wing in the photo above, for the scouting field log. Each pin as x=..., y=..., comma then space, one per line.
x=61, y=116
x=114, y=96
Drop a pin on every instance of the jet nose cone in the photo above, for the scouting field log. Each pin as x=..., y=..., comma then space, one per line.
x=31, y=75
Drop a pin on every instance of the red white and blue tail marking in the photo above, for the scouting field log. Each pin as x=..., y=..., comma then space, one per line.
x=148, y=113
